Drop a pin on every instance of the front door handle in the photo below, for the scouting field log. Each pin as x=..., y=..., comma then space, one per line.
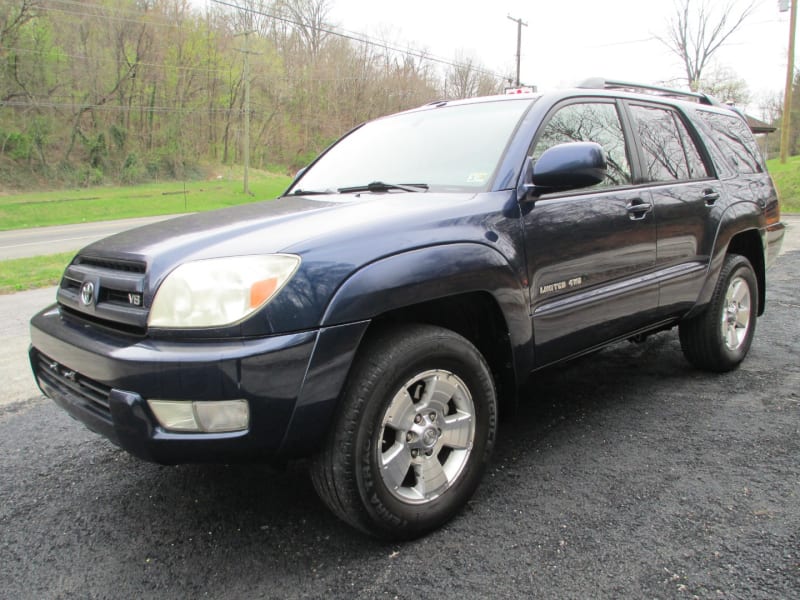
x=710, y=196
x=638, y=209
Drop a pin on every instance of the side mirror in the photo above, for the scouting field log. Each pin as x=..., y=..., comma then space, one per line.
x=566, y=167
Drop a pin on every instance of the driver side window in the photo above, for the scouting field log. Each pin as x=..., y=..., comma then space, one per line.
x=589, y=122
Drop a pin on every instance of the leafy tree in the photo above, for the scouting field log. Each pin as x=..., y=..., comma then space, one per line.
x=135, y=89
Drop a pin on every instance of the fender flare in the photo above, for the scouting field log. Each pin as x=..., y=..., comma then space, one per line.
x=736, y=219
x=433, y=273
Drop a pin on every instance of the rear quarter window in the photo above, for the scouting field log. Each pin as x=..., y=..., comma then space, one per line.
x=734, y=138
x=668, y=150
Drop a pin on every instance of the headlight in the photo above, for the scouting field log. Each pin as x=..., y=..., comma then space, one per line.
x=219, y=291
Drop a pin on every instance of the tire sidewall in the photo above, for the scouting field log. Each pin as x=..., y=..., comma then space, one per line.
x=443, y=352
x=739, y=268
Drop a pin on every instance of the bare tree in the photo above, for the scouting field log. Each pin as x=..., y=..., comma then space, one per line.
x=13, y=16
x=467, y=78
x=309, y=18
x=698, y=28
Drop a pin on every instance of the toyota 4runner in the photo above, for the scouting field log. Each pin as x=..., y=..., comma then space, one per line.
x=416, y=272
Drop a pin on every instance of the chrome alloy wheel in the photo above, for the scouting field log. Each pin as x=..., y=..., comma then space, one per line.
x=735, y=318
x=426, y=436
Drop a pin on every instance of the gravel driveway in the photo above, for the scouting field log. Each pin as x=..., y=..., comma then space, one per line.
x=627, y=474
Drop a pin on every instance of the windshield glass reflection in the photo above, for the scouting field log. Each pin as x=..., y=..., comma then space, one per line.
x=445, y=148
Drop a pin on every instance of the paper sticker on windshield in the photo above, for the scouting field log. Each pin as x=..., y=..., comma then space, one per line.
x=477, y=177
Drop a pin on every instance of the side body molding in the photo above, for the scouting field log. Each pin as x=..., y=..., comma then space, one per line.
x=433, y=273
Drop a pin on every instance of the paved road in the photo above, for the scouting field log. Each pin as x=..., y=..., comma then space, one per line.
x=21, y=243
x=627, y=475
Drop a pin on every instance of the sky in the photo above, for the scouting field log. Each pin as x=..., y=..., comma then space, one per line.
x=566, y=41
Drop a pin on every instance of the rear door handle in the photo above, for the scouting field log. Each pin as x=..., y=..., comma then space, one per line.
x=710, y=196
x=638, y=209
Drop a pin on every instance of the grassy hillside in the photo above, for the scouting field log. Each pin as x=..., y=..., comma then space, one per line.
x=787, y=180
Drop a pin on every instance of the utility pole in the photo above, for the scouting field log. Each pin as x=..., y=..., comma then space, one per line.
x=246, y=75
x=787, y=93
x=519, y=41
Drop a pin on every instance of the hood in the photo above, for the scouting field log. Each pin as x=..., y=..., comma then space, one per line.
x=287, y=224
x=334, y=235
x=198, y=235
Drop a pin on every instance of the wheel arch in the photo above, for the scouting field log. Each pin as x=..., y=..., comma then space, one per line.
x=750, y=245
x=739, y=232
x=477, y=317
x=466, y=287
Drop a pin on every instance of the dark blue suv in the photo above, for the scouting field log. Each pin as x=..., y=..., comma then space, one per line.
x=410, y=278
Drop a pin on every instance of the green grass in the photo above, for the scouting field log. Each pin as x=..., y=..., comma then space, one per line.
x=35, y=272
x=62, y=207
x=38, y=209
x=787, y=180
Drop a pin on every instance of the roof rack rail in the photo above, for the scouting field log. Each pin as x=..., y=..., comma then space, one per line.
x=609, y=84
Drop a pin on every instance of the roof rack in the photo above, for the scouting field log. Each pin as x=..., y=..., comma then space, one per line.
x=608, y=84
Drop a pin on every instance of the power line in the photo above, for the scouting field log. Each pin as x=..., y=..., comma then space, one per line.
x=99, y=12
x=204, y=70
x=329, y=29
x=114, y=107
x=362, y=39
x=112, y=61
x=152, y=16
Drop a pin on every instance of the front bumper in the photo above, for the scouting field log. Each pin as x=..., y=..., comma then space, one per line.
x=103, y=379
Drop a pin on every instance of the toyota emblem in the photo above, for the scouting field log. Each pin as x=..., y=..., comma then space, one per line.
x=87, y=293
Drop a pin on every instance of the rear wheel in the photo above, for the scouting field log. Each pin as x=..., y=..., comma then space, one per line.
x=718, y=339
x=413, y=433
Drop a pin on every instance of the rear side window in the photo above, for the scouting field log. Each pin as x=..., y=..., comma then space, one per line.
x=735, y=140
x=669, y=152
x=589, y=122
x=697, y=166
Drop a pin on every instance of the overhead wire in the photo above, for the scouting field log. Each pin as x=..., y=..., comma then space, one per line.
x=98, y=11
x=362, y=39
x=92, y=10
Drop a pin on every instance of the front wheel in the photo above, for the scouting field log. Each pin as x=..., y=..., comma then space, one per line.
x=718, y=339
x=413, y=433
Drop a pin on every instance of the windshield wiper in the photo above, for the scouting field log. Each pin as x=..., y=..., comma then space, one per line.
x=299, y=192
x=381, y=186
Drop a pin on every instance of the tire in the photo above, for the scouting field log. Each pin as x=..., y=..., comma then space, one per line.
x=413, y=433
x=718, y=339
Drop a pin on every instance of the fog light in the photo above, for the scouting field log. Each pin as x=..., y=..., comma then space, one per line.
x=225, y=415
x=205, y=417
x=174, y=415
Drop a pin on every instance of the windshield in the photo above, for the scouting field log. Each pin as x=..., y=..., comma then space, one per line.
x=447, y=148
